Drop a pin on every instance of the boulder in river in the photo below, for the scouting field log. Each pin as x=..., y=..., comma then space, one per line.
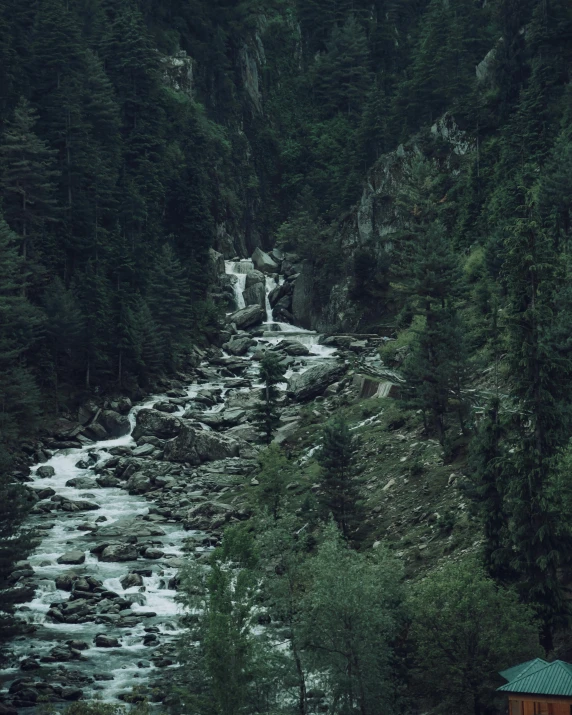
x=255, y=295
x=239, y=346
x=130, y=580
x=82, y=483
x=254, y=277
x=119, y=552
x=130, y=527
x=139, y=483
x=247, y=317
x=157, y=424
x=263, y=262
x=73, y=558
x=116, y=425
x=196, y=446
x=103, y=641
x=313, y=382
x=45, y=472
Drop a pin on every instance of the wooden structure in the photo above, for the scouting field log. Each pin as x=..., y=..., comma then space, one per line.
x=539, y=688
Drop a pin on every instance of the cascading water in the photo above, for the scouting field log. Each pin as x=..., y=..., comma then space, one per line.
x=239, y=269
x=150, y=607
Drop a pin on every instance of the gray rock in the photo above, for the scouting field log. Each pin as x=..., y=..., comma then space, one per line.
x=263, y=262
x=122, y=405
x=254, y=277
x=103, y=641
x=108, y=481
x=115, y=424
x=144, y=450
x=167, y=407
x=293, y=348
x=314, y=381
x=119, y=552
x=255, y=295
x=247, y=317
x=78, y=505
x=139, y=483
x=217, y=262
x=276, y=294
x=73, y=558
x=129, y=527
x=130, y=580
x=157, y=424
x=45, y=472
x=82, y=483
x=196, y=446
x=239, y=346
x=96, y=431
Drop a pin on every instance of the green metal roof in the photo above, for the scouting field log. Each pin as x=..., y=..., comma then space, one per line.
x=537, y=679
x=519, y=670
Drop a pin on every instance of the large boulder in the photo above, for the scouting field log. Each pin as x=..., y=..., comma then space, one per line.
x=196, y=446
x=156, y=424
x=255, y=295
x=45, y=472
x=279, y=292
x=119, y=552
x=72, y=558
x=293, y=347
x=115, y=425
x=239, y=346
x=216, y=262
x=130, y=527
x=254, y=277
x=247, y=317
x=263, y=262
x=139, y=483
x=313, y=382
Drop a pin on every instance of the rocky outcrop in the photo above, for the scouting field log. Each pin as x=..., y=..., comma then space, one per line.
x=247, y=317
x=196, y=446
x=253, y=277
x=313, y=382
x=115, y=424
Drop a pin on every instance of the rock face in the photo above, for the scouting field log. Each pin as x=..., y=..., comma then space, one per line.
x=315, y=380
x=263, y=262
x=255, y=295
x=156, y=424
x=247, y=317
x=196, y=446
x=115, y=425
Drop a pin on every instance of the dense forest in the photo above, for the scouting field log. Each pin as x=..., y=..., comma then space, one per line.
x=136, y=136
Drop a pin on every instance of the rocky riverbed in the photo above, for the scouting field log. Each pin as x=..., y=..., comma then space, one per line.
x=123, y=500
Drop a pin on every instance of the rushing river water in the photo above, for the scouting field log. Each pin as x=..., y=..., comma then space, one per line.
x=151, y=613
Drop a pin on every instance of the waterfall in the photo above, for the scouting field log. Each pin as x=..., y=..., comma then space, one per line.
x=240, y=270
x=270, y=285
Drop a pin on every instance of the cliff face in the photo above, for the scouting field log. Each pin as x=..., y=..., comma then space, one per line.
x=373, y=223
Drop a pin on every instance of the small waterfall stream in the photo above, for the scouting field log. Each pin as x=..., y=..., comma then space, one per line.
x=149, y=617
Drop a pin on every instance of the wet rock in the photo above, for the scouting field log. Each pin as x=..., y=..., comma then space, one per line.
x=72, y=694
x=276, y=294
x=263, y=262
x=196, y=446
x=167, y=407
x=130, y=527
x=73, y=558
x=77, y=645
x=103, y=641
x=45, y=472
x=82, y=483
x=153, y=553
x=7, y=709
x=115, y=424
x=96, y=431
x=144, y=450
x=29, y=664
x=64, y=582
x=247, y=317
x=313, y=382
x=122, y=405
x=293, y=348
x=239, y=346
x=255, y=295
x=130, y=580
x=78, y=505
x=157, y=424
x=139, y=483
x=107, y=480
x=44, y=492
x=119, y=552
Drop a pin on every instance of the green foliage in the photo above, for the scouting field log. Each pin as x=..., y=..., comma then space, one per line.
x=340, y=496
x=464, y=630
x=271, y=374
x=275, y=472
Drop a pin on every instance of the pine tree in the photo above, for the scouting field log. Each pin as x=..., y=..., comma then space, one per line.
x=340, y=496
x=28, y=178
x=271, y=374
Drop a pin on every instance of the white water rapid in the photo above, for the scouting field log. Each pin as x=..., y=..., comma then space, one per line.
x=141, y=618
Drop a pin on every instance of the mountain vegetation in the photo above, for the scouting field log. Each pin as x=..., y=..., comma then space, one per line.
x=136, y=136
